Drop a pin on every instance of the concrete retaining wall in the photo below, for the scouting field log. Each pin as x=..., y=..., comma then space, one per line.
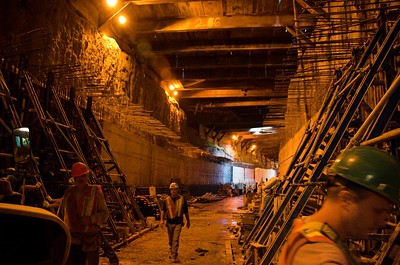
x=147, y=164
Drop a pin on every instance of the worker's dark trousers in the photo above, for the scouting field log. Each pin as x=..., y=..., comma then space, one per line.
x=174, y=232
x=79, y=257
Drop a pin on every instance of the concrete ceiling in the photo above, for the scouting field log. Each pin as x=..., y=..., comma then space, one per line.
x=230, y=60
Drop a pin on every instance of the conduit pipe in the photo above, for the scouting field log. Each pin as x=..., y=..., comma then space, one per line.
x=374, y=114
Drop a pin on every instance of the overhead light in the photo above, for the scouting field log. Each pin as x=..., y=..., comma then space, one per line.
x=111, y=3
x=175, y=93
x=262, y=130
x=122, y=20
x=172, y=87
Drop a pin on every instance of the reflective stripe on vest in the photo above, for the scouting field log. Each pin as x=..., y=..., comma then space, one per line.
x=304, y=233
x=86, y=205
x=174, y=209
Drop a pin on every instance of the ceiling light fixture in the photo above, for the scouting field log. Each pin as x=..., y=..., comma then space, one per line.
x=111, y=3
x=104, y=25
x=262, y=130
x=122, y=20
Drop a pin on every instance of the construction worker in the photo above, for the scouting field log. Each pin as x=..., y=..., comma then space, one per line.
x=83, y=209
x=175, y=206
x=363, y=185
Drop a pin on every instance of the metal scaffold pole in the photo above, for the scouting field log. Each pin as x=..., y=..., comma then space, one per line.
x=319, y=144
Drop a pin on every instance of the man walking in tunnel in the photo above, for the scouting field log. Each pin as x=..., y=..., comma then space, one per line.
x=175, y=206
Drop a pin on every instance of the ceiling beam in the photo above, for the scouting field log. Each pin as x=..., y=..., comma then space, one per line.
x=232, y=104
x=265, y=66
x=219, y=83
x=231, y=125
x=225, y=73
x=274, y=123
x=229, y=93
x=174, y=48
x=157, y=2
x=251, y=136
x=207, y=61
x=145, y=26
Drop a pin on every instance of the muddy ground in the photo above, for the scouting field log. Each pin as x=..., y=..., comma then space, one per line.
x=211, y=240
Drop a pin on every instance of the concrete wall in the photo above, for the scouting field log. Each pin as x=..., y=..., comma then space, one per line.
x=243, y=175
x=147, y=164
x=288, y=150
x=263, y=174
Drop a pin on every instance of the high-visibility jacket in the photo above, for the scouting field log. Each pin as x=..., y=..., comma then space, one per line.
x=77, y=204
x=89, y=202
x=174, y=209
x=312, y=233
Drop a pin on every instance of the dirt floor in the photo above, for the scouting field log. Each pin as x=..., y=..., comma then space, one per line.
x=210, y=239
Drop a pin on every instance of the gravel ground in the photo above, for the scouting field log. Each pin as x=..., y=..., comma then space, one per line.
x=205, y=242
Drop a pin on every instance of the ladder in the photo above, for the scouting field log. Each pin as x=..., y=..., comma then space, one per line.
x=317, y=147
x=58, y=132
x=75, y=153
x=15, y=122
x=59, y=139
x=109, y=175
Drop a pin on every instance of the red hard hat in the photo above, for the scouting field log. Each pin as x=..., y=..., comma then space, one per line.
x=79, y=169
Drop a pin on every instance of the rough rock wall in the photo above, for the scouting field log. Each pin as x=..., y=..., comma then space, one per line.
x=52, y=35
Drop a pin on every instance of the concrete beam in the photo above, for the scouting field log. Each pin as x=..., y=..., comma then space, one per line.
x=187, y=47
x=210, y=23
x=228, y=93
x=248, y=103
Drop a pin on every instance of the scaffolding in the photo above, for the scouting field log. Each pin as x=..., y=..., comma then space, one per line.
x=60, y=136
x=345, y=119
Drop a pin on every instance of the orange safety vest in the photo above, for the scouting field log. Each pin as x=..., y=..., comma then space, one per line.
x=174, y=209
x=303, y=233
x=86, y=206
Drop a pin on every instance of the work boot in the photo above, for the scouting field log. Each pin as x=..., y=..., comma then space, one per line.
x=174, y=259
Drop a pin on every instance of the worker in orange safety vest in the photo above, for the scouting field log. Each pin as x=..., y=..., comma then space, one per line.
x=84, y=210
x=174, y=208
x=363, y=185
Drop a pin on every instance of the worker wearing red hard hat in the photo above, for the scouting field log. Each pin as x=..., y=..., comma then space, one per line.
x=83, y=209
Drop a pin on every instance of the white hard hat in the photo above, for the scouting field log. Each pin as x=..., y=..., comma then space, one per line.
x=173, y=185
